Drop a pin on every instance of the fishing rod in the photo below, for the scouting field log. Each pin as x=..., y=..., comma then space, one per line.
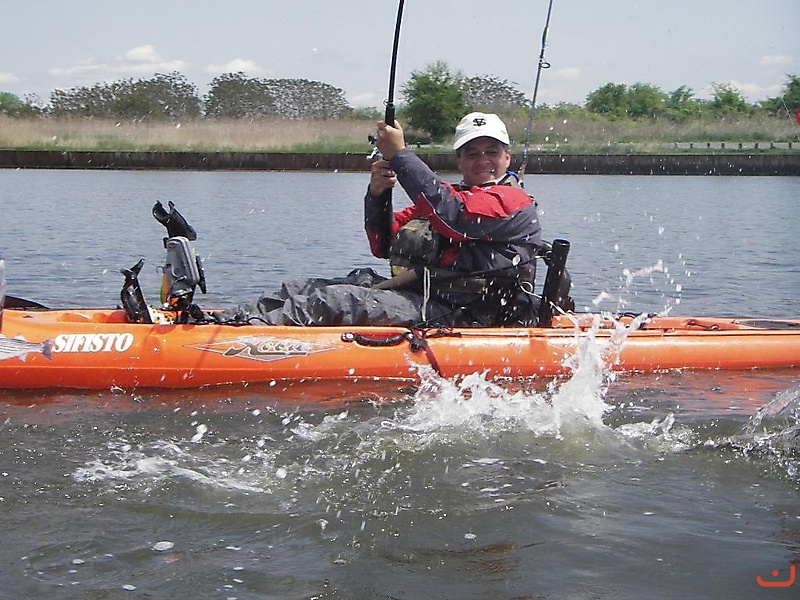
x=389, y=115
x=388, y=118
x=543, y=64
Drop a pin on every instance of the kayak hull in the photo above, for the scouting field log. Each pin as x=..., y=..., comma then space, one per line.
x=100, y=349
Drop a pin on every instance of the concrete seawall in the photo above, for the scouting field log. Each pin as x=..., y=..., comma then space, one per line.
x=786, y=164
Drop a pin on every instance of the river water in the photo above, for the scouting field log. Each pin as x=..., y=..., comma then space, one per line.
x=667, y=485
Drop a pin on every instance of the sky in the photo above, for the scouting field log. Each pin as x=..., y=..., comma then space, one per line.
x=752, y=46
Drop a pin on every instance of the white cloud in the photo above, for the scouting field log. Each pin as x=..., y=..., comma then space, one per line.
x=143, y=54
x=565, y=74
x=780, y=60
x=752, y=92
x=79, y=69
x=6, y=78
x=755, y=92
x=366, y=99
x=236, y=65
x=142, y=60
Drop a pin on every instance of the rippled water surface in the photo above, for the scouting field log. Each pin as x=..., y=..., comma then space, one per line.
x=664, y=485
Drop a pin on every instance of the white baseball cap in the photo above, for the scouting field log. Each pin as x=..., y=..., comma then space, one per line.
x=478, y=124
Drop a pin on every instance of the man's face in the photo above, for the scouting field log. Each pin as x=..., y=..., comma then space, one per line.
x=483, y=159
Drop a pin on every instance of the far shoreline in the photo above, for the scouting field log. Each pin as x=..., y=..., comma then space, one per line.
x=741, y=163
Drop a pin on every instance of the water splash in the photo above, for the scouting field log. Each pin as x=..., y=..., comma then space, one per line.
x=564, y=407
x=351, y=444
x=366, y=452
x=644, y=282
x=153, y=464
x=780, y=414
x=771, y=435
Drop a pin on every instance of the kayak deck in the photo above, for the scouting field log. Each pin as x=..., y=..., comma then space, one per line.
x=100, y=349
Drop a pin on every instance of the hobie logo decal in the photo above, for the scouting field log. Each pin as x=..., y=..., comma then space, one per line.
x=92, y=342
x=263, y=348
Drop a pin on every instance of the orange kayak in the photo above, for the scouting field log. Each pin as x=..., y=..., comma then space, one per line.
x=101, y=349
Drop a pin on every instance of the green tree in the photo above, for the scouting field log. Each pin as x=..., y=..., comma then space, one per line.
x=33, y=107
x=610, y=99
x=234, y=95
x=640, y=100
x=301, y=99
x=490, y=94
x=434, y=100
x=682, y=104
x=85, y=101
x=645, y=100
x=789, y=100
x=727, y=100
x=162, y=97
x=369, y=113
x=10, y=104
x=169, y=96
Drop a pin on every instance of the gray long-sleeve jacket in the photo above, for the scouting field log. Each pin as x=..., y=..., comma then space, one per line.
x=491, y=228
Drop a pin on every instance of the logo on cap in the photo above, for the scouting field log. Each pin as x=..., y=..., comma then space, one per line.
x=478, y=121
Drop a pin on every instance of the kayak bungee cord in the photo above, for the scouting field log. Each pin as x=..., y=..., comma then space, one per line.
x=543, y=64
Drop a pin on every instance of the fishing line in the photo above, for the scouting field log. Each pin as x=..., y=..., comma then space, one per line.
x=792, y=118
x=543, y=64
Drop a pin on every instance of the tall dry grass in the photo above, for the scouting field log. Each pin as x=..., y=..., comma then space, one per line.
x=201, y=135
x=568, y=134
x=584, y=132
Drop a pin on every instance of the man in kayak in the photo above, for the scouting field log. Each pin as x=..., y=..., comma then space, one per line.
x=474, y=242
x=461, y=254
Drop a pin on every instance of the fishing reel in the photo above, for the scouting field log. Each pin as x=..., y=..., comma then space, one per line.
x=375, y=154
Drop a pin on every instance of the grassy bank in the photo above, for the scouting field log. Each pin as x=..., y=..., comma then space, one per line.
x=551, y=133
x=200, y=136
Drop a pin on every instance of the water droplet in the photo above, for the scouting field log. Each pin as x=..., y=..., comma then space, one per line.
x=162, y=546
x=201, y=431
